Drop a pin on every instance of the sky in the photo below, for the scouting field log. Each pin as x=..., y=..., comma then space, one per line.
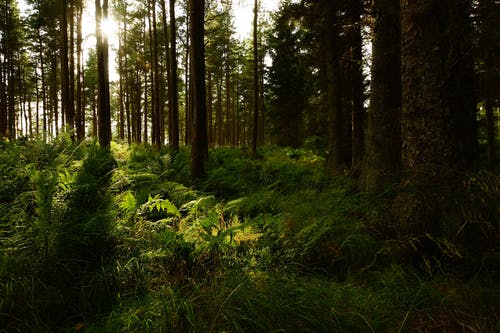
x=243, y=14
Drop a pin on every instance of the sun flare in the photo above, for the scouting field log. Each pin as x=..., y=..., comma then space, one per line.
x=110, y=29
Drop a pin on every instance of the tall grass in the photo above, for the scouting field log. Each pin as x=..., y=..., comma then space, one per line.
x=124, y=242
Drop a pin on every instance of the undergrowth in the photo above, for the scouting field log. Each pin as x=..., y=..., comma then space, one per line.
x=123, y=242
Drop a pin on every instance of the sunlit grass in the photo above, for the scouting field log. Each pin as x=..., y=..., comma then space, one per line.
x=259, y=245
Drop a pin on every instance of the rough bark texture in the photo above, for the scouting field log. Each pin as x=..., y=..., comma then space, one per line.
x=438, y=109
x=383, y=136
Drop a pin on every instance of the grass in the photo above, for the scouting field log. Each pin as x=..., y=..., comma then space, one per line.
x=126, y=243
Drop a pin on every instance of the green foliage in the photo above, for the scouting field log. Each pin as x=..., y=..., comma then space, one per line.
x=268, y=244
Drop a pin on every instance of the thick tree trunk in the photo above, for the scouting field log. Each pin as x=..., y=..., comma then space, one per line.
x=438, y=109
x=383, y=137
x=199, y=147
x=103, y=109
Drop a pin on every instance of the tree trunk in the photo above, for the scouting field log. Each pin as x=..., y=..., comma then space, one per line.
x=338, y=150
x=199, y=147
x=173, y=94
x=80, y=107
x=438, y=109
x=3, y=101
x=67, y=110
x=383, y=137
x=255, y=123
x=488, y=41
x=103, y=108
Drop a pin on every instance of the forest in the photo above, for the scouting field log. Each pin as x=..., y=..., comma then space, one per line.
x=332, y=169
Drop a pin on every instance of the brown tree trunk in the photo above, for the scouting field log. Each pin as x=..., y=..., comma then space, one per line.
x=3, y=101
x=66, y=103
x=255, y=123
x=210, y=124
x=103, y=108
x=219, y=126
x=173, y=100
x=338, y=151
x=80, y=108
x=438, y=109
x=199, y=147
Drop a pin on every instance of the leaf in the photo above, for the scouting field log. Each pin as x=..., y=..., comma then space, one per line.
x=129, y=202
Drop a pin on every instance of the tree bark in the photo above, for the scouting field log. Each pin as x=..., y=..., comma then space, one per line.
x=103, y=105
x=199, y=146
x=173, y=92
x=438, y=109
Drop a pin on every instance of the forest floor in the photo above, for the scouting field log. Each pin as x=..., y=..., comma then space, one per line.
x=124, y=242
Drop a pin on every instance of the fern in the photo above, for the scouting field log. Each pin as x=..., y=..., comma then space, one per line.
x=161, y=205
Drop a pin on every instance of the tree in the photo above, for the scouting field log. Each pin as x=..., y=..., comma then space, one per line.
x=173, y=100
x=356, y=93
x=10, y=49
x=255, y=129
x=383, y=137
x=489, y=73
x=66, y=93
x=199, y=144
x=339, y=149
x=438, y=109
x=287, y=79
x=103, y=108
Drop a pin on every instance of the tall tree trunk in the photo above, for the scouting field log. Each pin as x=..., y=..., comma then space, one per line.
x=173, y=93
x=383, y=137
x=155, y=82
x=121, y=98
x=255, y=123
x=488, y=40
x=228, y=101
x=438, y=109
x=71, y=75
x=211, y=141
x=219, y=126
x=3, y=101
x=103, y=108
x=65, y=76
x=11, y=97
x=80, y=108
x=338, y=150
x=199, y=146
